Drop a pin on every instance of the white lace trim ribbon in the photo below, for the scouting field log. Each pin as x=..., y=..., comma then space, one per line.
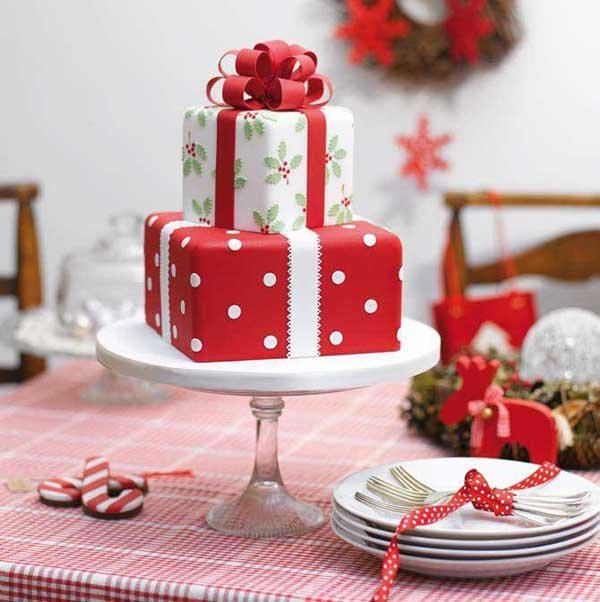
x=165, y=273
x=304, y=293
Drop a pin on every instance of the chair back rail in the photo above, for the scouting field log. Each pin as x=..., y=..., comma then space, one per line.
x=26, y=284
x=571, y=257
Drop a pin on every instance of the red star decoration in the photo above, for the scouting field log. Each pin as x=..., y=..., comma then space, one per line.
x=422, y=153
x=465, y=27
x=372, y=31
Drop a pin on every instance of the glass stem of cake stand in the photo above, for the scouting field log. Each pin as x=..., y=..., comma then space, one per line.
x=265, y=508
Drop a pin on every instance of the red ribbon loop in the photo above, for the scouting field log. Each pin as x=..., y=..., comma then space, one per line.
x=483, y=497
x=493, y=398
x=273, y=75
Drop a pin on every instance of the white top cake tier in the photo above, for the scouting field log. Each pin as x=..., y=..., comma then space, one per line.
x=267, y=171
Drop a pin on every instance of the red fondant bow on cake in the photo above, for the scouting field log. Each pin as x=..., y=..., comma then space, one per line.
x=481, y=411
x=477, y=491
x=272, y=75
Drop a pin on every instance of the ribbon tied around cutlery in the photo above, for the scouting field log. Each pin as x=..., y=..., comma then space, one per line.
x=492, y=399
x=477, y=491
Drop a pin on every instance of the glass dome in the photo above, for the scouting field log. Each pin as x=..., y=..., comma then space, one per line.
x=105, y=283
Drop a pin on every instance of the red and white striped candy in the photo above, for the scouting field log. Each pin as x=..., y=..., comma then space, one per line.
x=95, y=492
x=65, y=491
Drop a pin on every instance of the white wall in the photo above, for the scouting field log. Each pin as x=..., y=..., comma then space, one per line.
x=93, y=94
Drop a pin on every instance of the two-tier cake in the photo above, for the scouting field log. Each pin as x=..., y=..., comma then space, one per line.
x=266, y=260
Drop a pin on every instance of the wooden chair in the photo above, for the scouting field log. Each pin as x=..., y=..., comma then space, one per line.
x=574, y=256
x=26, y=284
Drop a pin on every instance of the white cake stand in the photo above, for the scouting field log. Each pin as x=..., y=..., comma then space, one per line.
x=265, y=508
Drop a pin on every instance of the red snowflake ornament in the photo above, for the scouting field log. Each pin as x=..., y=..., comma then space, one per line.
x=372, y=31
x=465, y=27
x=422, y=153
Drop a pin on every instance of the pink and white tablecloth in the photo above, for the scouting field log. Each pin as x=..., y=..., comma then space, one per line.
x=168, y=554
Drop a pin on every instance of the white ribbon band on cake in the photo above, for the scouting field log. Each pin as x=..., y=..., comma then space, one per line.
x=304, y=293
x=165, y=237
x=304, y=288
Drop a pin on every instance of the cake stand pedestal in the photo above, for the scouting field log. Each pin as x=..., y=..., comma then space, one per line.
x=265, y=508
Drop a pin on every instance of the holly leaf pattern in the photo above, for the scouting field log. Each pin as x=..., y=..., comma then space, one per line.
x=272, y=162
x=197, y=208
x=300, y=124
x=187, y=167
x=237, y=166
x=333, y=210
x=295, y=162
x=272, y=213
x=247, y=130
x=259, y=127
x=202, y=119
x=300, y=200
x=299, y=222
x=203, y=210
x=282, y=150
x=341, y=211
x=208, y=205
x=258, y=219
x=273, y=178
x=197, y=166
x=340, y=153
x=240, y=182
x=188, y=113
x=337, y=169
x=201, y=152
x=332, y=144
x=278, y=226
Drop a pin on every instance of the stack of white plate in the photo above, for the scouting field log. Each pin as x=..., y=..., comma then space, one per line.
x=468, y=543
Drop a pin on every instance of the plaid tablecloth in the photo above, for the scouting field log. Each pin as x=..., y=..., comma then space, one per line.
x=168, y=554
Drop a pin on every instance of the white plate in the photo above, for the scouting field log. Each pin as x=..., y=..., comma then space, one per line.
x=467, y=569
x=467, y=544
x=450, y=553
x=466, y=523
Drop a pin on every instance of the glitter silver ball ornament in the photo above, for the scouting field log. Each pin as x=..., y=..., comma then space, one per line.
x=563, y=345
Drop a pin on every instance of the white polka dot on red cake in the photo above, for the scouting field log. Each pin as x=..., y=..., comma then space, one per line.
x=369, y=239
x=399, y=334
x=235, y=244
x=336, y=337
x=232, y=232
x=185, y=241
x=270, y=342
x=182, y=307
x=349, y=226
x=174, y=330
x=156, y=259
x=401, y=274
x=370, y=306
x=195, y=280
x=196, y=345
x=269, y=279
x=152, y=220
x=173, y=270
x=149, y=283
x=338, y=277
x=157, y=320
x=234, y=312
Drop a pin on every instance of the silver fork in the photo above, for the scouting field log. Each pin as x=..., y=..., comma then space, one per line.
x=419, y=491
x=403, y=509
x=548, y=508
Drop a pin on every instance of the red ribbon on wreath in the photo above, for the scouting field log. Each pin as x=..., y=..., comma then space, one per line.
x=477, y=491
x=280, y=77
x=273, y=75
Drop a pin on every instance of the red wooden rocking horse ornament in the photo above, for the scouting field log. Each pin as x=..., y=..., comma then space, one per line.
x=498, y=420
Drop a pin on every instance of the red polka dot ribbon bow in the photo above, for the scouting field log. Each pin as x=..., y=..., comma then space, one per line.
x=476, y=491
x=492, y=399
x=272, y=75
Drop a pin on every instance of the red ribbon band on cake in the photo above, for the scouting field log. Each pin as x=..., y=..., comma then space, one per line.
x=477, y=491
x=492, y=399
x=280, y=77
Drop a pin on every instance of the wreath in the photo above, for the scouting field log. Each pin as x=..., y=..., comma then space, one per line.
x=576, y=409
x=472, y=32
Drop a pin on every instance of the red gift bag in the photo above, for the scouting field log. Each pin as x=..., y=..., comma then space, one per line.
x=461, y=320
